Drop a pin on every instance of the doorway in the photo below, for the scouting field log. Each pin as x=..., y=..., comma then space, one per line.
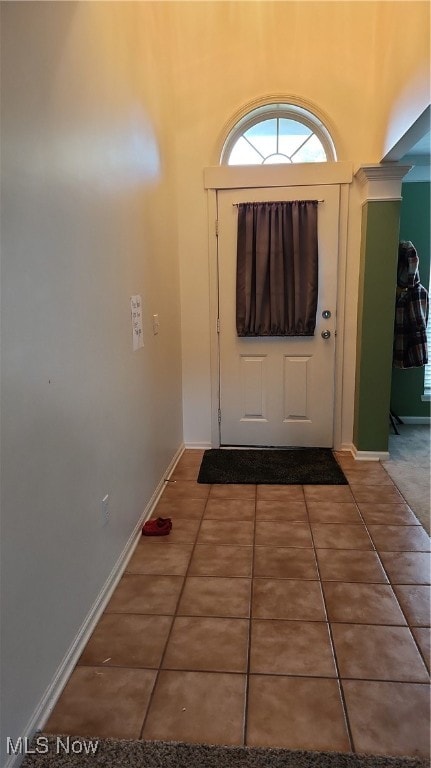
x=249, y=180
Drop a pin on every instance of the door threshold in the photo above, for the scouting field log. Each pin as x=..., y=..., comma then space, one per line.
x=268, y=447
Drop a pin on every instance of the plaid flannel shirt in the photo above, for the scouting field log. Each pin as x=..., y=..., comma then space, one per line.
x=411, y=312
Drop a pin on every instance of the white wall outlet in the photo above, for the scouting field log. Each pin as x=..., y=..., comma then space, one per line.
x=105, y=509
x=156, y=324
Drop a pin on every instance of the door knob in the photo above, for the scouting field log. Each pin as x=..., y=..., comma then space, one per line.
x=326, y=334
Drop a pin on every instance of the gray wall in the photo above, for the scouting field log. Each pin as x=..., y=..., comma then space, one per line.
x=88, y=219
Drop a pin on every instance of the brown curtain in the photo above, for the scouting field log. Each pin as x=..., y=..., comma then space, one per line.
x=277, y=269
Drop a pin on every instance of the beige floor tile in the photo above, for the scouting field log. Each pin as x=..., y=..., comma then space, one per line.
x=233, y=491
x=191, y=509
x=388, y=718
x=283, y=534
x=146, y=594
x=400, y=538
x=171, y=560
x=287, y=599
x=192, y=456
x=340, y=536
x=211, y=560
x=378, y=653
x=182, y=532
x=415, y=600
x=345, y=459
x=282, y=709
x=367, y=467
x=212, y=596
x=407, y=567
x=185, y=471
x=380, y=495
x=127, y=640
x=285, y=563
x=226, y=532
x=338, y=493
x=266, y=511
x=197, y=707
x=291, y=648
x=234, y=510
x=362, y=603
x=103, y=702
x=333, y=512
x=369, y=476
x=350, y=565
x=387, y=514
x=187, y=604
x=279, y=493
x=185, y=489
x=422, y=636
x=207, y=644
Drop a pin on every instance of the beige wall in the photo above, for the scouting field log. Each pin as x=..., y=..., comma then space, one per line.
x=88, y=219
x=350, y=60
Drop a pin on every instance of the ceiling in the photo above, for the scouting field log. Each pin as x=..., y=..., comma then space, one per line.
x=414, y=149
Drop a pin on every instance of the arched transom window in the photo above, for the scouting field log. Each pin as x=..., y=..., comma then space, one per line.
x=278, y=133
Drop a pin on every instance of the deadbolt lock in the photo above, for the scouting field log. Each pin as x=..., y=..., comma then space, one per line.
x=326, y=314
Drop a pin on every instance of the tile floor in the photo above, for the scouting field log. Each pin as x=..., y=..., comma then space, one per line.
x=279, y=616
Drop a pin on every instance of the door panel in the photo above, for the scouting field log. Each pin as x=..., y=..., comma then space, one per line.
x=296, y=386
x=277, y=391
x=253, y=379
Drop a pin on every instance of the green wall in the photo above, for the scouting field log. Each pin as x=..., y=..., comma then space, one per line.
x=379, y=250
x=407, y=385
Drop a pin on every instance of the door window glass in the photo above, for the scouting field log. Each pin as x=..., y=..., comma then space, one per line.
x=278, y=133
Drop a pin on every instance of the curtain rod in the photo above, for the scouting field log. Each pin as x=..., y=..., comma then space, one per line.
x=257, y=202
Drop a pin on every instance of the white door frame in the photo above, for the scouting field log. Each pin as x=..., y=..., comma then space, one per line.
x=241, y=177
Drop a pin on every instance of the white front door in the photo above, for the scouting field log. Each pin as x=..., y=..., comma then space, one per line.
x=277, y=391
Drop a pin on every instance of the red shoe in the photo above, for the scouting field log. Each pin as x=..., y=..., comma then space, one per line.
x=159, y=527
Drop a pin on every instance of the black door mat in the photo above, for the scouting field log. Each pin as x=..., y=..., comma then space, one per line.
x=115, y=753
x=286, y=466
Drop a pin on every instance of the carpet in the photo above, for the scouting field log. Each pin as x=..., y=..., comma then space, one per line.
x=409, y=467
x=113, y=753
x=288, y=466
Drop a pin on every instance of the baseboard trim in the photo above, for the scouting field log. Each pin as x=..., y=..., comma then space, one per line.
x=198, y=446
x=344, y=448
x=54, y=690
x=369, y=455
x=416, y=419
